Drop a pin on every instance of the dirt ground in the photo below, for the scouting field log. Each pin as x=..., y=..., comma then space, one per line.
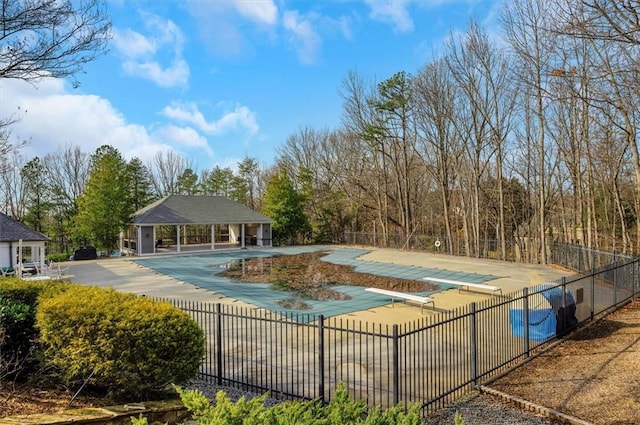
x=594, y=376
x=26, y=399
x=307, y=272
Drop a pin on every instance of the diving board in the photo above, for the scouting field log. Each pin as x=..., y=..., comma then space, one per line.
x=402, y=295
x=461, y=284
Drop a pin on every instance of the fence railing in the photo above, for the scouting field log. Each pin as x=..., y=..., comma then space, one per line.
x=521, y=249
x=431, y=361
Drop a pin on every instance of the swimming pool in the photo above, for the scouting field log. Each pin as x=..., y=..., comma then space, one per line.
x=202, y=270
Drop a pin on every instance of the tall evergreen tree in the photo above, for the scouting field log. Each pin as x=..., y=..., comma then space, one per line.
x=218, y=181
x=285, y=205
x=188, y=183
x=35, y=188
x=106, y=206
x=139, y=178
x=248, y=171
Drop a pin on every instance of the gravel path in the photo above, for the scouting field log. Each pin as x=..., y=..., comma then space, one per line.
x=483, y=409
x=476, y=409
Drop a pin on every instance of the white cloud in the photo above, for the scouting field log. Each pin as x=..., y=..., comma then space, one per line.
x=132, y=44
x=263, y=11
x=393, y=12
x=183, y=136
x=238, y=119
x=224, y=29
x=55, y=118
x=173, y=76
x=156, y=57
x=304, y=38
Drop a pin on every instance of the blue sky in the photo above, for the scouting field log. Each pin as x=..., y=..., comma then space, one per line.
x=218, y=80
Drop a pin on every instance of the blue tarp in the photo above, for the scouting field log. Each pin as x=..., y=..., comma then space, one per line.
x=542, y=323
x=546, y=322
x=553, y=294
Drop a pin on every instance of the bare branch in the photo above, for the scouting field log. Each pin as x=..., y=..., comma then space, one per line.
x=51, y=38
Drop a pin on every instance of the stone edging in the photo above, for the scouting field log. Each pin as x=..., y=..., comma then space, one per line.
x=533, y=407
x=170, y=411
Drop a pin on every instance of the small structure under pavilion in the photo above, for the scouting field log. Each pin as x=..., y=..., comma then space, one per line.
x=187, y=223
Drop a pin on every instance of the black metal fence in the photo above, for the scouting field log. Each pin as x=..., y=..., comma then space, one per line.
x=431, y=361
x=526, y=250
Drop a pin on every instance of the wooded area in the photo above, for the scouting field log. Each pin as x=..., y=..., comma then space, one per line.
x=526, y=135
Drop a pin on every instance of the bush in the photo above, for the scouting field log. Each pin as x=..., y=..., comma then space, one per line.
x=341, y=410
x=18, y=334
x=28, y=291
x=17, y=337
x=126, y=345
x=59, y=257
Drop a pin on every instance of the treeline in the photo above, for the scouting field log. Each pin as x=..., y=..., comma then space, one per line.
x=75, y=197
x=529, y=135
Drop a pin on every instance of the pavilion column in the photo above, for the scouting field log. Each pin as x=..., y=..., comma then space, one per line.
x=178, y=238
x=213, y=236
x=42, y=258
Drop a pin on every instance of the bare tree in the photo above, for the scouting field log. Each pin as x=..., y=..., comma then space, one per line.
x=358, y=117
x=45, y=38
x=606, y=20
x=48, y=39
x=435, y=94
x=67, y=170
x=485, y=106
x=11, y=186
x=165, y=170
x=529, y=36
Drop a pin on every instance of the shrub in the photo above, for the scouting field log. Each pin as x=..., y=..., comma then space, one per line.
x=127, y=345
x=18, y=334
x=458, y=419
x=59, y=257
x=28, y=291
x=341, y=410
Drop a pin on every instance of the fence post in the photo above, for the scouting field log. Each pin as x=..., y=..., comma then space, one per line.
x=580, y=260
x=634, y=276
x=396, y=367
x=563, y=319
x=615, y=284
x=593, y=293
x=321, y=357
x=219, y=344
x=474, y=346
x=525, y=312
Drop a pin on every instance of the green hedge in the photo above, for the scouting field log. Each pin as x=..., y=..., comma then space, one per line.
x=124, y=344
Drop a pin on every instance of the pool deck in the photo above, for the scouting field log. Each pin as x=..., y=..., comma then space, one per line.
x=125, y=274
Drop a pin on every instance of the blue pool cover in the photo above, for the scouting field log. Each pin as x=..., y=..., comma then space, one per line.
x=203, y=271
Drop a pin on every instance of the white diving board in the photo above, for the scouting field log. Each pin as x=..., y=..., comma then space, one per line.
x=461, y=284
x=407, y=297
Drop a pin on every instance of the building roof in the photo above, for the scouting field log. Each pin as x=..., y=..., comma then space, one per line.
x=12, y=230
x=192, y=209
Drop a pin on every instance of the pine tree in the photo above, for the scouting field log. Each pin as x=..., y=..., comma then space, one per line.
x=106, y=205
x=285, y=205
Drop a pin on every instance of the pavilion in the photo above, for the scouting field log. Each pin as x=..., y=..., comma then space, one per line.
x=180, y=223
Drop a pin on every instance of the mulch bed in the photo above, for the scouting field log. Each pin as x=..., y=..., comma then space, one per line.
x=594, y=375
